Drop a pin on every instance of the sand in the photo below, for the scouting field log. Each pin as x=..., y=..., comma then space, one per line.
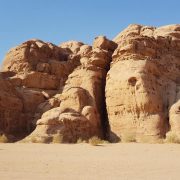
x=83, y=161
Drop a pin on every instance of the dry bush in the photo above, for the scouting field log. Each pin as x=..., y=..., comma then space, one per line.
x=34, y=140
x=3, y=139
x=94, y=141
x=129, y=137
x=172, y=138
x=58, y=138
x=80, y=140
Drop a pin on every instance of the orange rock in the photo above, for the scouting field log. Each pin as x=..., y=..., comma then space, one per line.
x=125, y=88
x=141, y=85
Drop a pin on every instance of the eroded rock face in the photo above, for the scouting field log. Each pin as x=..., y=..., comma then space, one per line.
x=142, y=83
x=11, y=106
x=59, y=90
x=34, y=72
x=80, y=112
x=128, y=87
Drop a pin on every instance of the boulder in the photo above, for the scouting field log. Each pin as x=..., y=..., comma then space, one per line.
x=71, y=46
x=27, y=56
x=103, y=43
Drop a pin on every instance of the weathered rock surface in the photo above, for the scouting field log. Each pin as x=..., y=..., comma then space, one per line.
x=36, y=71
x=103, y=43
x=142, y=83
x=80, y=112
x=11, y=106
x=125, y=88
x=60, y=89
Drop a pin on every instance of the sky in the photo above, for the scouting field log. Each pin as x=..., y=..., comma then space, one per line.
x=57, y=21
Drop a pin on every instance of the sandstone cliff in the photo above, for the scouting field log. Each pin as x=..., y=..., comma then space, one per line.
x=143, y=82
x=112, y=89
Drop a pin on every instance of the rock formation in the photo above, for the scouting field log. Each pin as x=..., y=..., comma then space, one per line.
x=142, y=84
x=130, y=85
x=59, y=89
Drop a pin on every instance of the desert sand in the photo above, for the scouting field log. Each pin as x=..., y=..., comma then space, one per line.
x=83, y=161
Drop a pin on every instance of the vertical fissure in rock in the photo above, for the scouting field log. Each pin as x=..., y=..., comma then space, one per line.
x=109, y=46
x=105, y=120
x=168, y=126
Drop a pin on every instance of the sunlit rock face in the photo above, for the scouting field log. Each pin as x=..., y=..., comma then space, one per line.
x=142, y=85
x=59, y=89
x=128, y=87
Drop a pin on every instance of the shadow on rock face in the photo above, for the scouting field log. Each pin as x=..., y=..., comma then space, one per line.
x=113, y=138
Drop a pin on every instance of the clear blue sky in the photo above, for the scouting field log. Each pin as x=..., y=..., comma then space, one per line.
x=61, y=20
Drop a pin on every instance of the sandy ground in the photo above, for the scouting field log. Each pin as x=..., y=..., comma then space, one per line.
x=83, y=161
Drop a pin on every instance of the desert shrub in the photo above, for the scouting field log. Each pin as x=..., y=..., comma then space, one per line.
x=3, y=138
x=58, y=138
x=34, y=139
x=94, y=141
x=172, y=138
x=80, y=140
x=129, y=137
